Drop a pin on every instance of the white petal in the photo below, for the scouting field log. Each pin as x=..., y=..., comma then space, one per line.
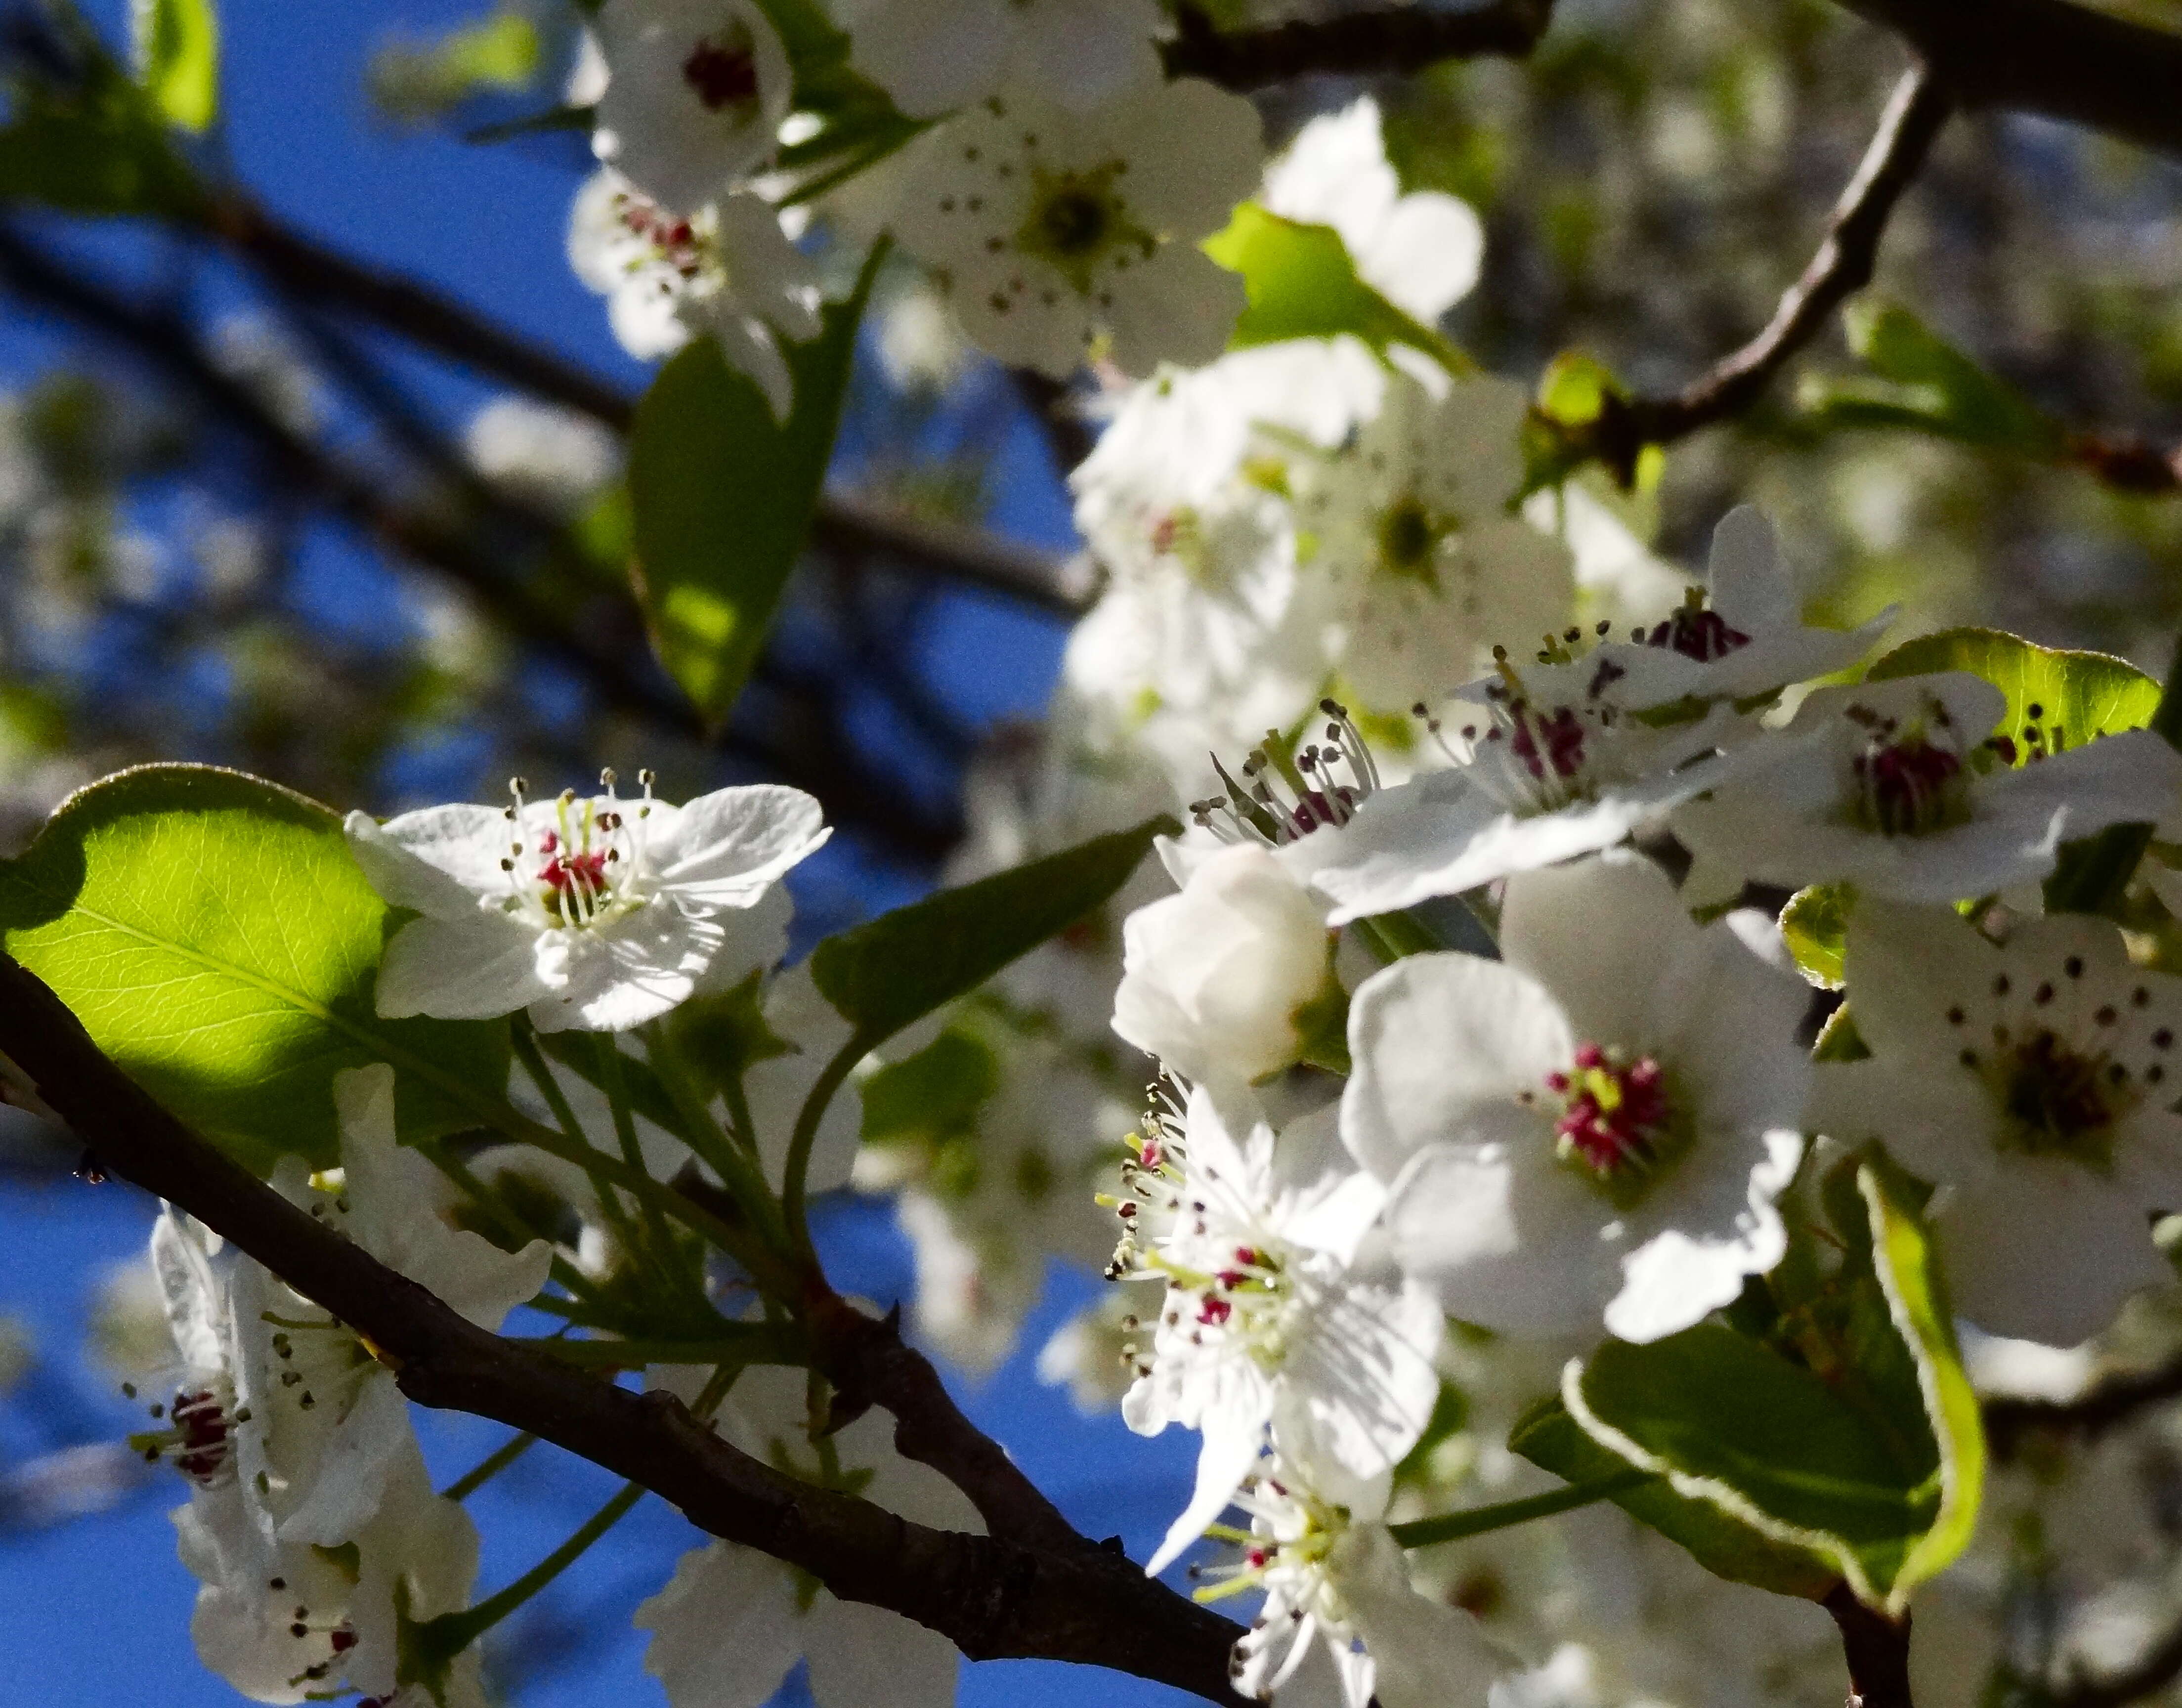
x=729, y=846
x=861, y=1656
x=1442, y=1046
x=1429, y=1654
x=438, y=861
x=1229, y=1452
x=1602, y=935
x=2047, y=1252
x=725, y=1630
x=476, y=967
x=350, y=1474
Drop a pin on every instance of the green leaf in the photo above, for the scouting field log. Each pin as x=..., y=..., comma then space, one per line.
x=101, y=149
x=1548, y=1437
x=1925, y=385
x=419, y=81
x=899, y=967
x=1303, y=283
x=176, y=45
x=930, y=1096
x=1855, y=1440
x=723, y=495
x=218, y=940
x=1814, y=923
x=2067, y=698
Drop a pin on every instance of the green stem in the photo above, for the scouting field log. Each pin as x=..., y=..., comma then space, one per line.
x=795, y=1181
x=1478, y=1521
x=451, y=1633
x=736, y=1165
x=606, y=1052
x=2092, y=877
x=489, y=1467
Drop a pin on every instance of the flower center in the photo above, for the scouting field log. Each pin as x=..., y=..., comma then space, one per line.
x=2060, y=1102
x=1910, y=780
x=197, y=1440
x=1410, y=536
x=1076, y=219
x=1618, y=1124
x=582, y=869
x=724, y=73
x=1282, y=799
x=674, y=242
x=1697, y=632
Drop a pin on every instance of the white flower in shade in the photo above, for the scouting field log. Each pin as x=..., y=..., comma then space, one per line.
x=2030, y=1083
x=1220, y=982
x=326, y=1420
x=933, y=56
x=546, y=455
x=292, y=1622
x=1425, y=571
x=1052, y=231
x=1550, y=764
x=1341, y=1625
x=1267, y=1321
x=591, y=913
x=696, y=91
x=732, y=1622
x=1421, y=251
x=1904, y=789
x=1092, y=1353
x=1601, y=1122
x=728, y=269
x=1739, y=638
x=1618, y=580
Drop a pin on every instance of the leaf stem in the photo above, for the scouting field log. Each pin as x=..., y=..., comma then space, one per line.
x=489, y=1467
x=795, y=1180
x=451, y=1633
x=1479, y=1521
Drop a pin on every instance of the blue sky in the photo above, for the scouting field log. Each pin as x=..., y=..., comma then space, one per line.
x=98, y=1608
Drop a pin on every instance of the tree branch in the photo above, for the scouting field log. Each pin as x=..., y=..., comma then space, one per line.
x=1917, y=113
x=2049, y=56
x=2159, y=1666
x=993, y=1597
x=2106, y=1404
x=1359, y=44
x=1877, y=1649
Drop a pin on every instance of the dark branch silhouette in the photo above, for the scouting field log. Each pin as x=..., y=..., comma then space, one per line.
x=1032, y=1589
x=1360, y=44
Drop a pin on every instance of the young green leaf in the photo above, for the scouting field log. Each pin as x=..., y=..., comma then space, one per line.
x=102, y=149
x=2056, y=699
x=1548, y=1437
x=176, y=45
x=899, y=967
x=928, y=1097
x=1862, y=1447
x=1303, y=284
x=723, y=494
x=1814, y=923
x=1925, y=385
x=218, y=940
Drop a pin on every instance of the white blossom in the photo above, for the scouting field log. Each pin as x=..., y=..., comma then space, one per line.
x=726, y=270
x=1341, y=1626
x=1425, y=569
x=1551, y=765
x=1053, y=231
x=1421, y=252
x=1602, y=1121
x=933, y=56
x=732, y=1621
x=1905, y=789
x=2028, y=1080
x=695, y=92
x=592, y=913
x=1268, y=1321
x=1219, y=982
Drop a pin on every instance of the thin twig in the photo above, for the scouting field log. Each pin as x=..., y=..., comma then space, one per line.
x=2107, y=1405
x=1358, y=44
x=991, y=1596
x=1915, y=115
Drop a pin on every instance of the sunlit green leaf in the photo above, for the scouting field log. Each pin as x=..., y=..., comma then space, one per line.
x=2056, y=699
x=723, y=495
x=418, y=81
x=1303, y=283
x=1813, y=924
x=902, y=966
x=177, y=57
x=218, y=940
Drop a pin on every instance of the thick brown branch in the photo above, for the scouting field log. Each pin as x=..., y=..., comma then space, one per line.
x=2051, y=57
x=1358, y=44
x=1877, y=1649
x=1841, y=266
x=992, y=1598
